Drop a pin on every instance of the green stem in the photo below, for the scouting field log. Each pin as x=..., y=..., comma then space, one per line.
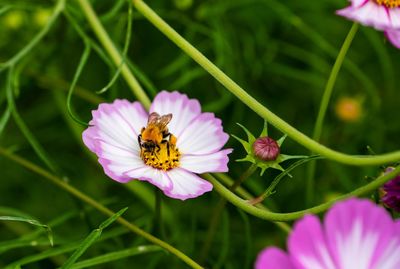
x=253, y=104
x=324, y=106
x=87, y=199
x=113, y=52
x=263, y=214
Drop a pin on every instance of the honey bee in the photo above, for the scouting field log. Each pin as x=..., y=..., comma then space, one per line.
x=155, y=134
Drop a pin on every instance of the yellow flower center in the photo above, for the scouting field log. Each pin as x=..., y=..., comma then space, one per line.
x=388, y=3
x=164, y=155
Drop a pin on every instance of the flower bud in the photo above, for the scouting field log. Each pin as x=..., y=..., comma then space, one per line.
x=266, y=149
x=391, y=192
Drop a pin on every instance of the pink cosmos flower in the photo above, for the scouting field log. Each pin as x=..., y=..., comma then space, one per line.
x=383, y=15
x=356, y=234
x=166, y=148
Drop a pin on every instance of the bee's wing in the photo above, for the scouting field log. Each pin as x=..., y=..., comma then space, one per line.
x=165, y=119
x=153, y=118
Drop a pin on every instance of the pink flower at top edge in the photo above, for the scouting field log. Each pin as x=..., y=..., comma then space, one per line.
x=355, y=234
x=383, y=15
x=113, y=136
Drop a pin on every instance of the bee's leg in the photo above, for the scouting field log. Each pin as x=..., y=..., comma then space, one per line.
x=158, y=148
x=168, y=148
x=139, y=138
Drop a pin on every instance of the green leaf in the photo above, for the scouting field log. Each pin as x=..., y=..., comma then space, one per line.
x=30, y=221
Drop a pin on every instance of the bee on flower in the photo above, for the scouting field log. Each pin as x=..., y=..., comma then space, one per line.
x=167, y=147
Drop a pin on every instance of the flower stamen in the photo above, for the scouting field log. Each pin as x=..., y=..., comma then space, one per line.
x=388, y=3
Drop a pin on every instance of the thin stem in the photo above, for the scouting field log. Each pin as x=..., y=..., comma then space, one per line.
x=124, y=52
x=263, y=214
x=87, y=199
x=324, y=106
x=113, y=52
x=253, y=104
x=82, y=62
x=216, y=215
x=271, y=188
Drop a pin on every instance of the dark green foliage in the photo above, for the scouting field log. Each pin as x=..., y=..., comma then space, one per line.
x=281, y=52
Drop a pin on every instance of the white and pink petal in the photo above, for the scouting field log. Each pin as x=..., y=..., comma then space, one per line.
x=113, y=137
x=204, y=135
x=394, y=14
x=156, y=177
x=368, y=13
x=183, y=109
x=186, y=185
x=307, y=245
x=207, y=163
x=358, y=228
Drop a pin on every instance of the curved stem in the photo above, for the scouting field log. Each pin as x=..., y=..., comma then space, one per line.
x=263, y=214
x=113, y=52
x=253, y=104
x=87, y=199
x=324, y=106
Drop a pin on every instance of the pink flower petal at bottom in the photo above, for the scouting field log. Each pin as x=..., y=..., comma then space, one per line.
x=394, y=37
x=307, y=245
x=357, y=234
x=273, y=258
x=359, y=228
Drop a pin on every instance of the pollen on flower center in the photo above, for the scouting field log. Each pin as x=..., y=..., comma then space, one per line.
x=163, y=156
x=388, y=3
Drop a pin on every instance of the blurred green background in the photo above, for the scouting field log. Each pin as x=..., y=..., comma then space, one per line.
x=281, y=52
